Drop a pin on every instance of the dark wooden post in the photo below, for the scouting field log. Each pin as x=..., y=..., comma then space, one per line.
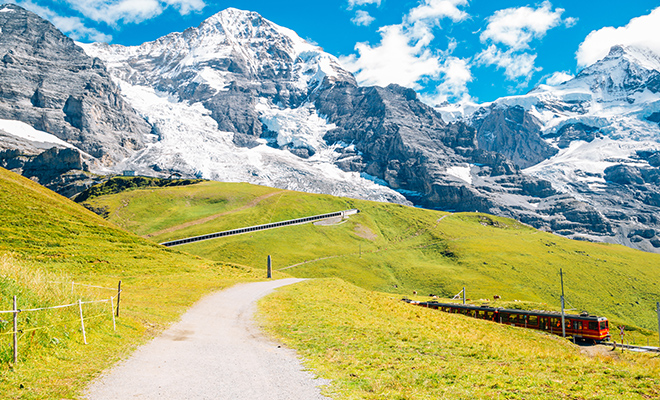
x=269, y=273
x=118, y=296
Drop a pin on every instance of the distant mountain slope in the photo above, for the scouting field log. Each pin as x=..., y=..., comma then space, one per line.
x=598, y=141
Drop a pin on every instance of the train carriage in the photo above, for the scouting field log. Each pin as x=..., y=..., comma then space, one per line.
x=580, y=327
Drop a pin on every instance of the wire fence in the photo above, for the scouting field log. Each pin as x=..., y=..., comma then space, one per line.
x=113, y=302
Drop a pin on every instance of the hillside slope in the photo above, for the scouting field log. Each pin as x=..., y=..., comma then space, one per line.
x=48, y=241
x=377, y=347
x=397, y=249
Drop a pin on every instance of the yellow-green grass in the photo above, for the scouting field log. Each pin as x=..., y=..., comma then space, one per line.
x=373, y=346
x=46, y=239
x=392, y=248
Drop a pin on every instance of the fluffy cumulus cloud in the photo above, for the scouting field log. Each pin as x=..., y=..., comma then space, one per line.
x=456, y=73
x=74, y=27
x=509, y=33
x=515, y=65
x=362, y=18
x=405, y=56
x=113, y=12
x=438, y=9
x=397, y=59
x=639, y=32
x=516, y=27
x=558, y=78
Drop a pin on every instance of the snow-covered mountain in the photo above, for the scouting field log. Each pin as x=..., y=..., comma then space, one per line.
x=596, y=137
x=240, y=98
x=226, y=96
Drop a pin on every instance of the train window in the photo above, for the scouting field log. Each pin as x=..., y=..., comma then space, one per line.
x=489, y=314
x=593, y=325
x=603, y=325
x=533, y=320
x=568, y=323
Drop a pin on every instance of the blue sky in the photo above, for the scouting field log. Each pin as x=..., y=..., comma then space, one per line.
x=448, y=50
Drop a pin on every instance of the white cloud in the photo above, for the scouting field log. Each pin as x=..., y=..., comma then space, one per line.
x=642, y=31
x=394, y=60
x=516, y=65
x=353, y=3
x=457, y=74
x=362, y=18
x=516, y=27
x=405, y=56
x=131, y=11
x=438, y=9
x=73, y=27
x=558, y=78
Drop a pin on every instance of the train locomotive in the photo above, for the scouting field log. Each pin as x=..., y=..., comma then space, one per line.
x=582, y=327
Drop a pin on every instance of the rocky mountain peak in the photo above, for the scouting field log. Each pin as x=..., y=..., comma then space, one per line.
x=239, y=24
x=625, y=71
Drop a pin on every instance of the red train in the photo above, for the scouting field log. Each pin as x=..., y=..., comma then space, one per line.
x=580, y=327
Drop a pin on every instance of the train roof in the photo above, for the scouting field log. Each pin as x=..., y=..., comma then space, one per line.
x=539, y=313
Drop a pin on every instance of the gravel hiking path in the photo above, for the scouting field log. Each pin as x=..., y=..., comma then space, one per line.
x=214, y=352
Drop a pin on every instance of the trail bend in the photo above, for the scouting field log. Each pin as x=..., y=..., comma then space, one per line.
x=214, y=352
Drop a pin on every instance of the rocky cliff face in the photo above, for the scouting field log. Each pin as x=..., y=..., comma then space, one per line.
x=48, y=82
x=596, y=138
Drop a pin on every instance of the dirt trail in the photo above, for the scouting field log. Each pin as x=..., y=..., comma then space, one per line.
x=214, y=216
x=214, y=352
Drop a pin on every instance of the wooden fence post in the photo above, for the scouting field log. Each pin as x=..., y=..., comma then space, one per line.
x=82, y=321
x=15, y=331
x=269, y=273
x=118, y=296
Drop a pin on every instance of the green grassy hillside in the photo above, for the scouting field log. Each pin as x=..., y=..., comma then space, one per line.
x=376, y=347
x=397, y=249
x=47, y=241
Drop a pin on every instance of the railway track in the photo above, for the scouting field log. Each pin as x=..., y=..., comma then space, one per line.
x=643, y=349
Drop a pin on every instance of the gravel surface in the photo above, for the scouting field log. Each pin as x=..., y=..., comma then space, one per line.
x=214, y=352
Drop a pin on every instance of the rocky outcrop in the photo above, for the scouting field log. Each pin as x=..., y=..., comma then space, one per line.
x=513, y=132
x=60, y=169
x=49, y=82
x=576, y=131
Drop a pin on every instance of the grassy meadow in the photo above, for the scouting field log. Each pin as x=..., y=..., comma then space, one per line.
x=397, y=249
x=349, y=325
x=374, y=346
x=46, y=242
